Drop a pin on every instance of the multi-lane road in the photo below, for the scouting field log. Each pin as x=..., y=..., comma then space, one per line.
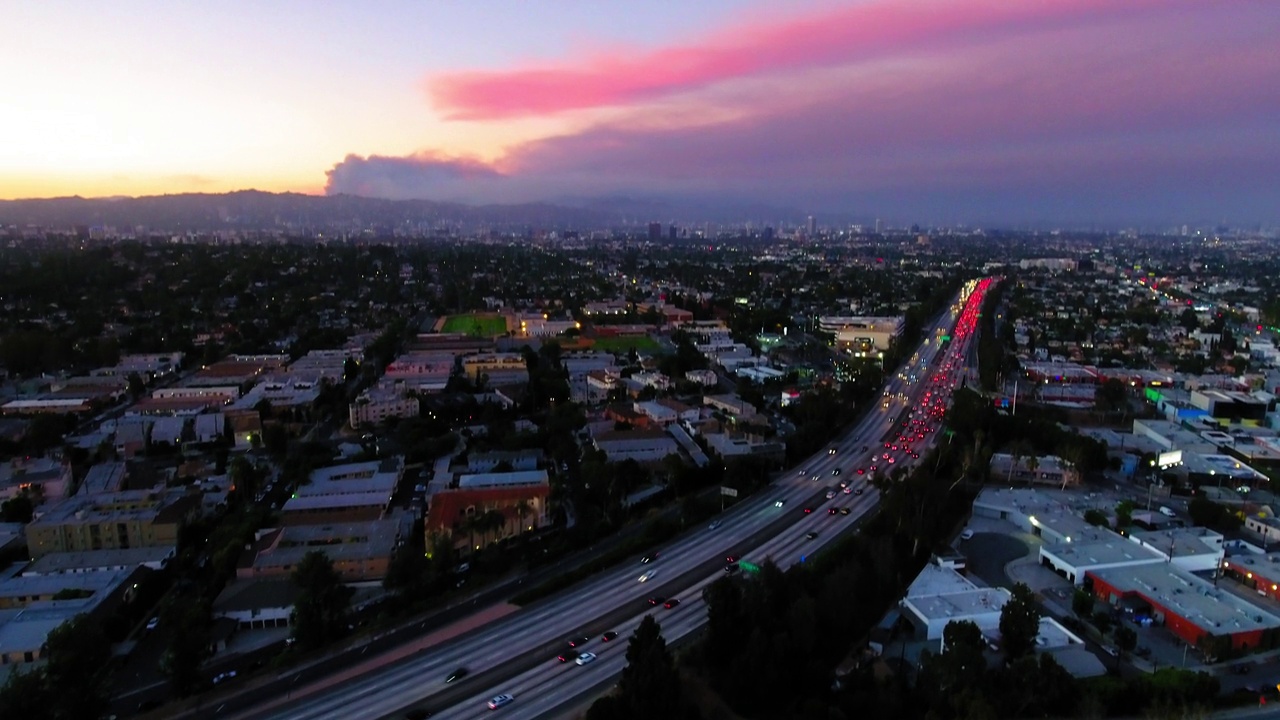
x=517, y=654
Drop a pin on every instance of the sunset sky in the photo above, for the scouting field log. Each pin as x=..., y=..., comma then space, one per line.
x=954, y=110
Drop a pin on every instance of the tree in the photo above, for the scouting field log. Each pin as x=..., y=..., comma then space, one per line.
x=522, y=509
x=1019, y=622
x=650, y=686
x=320, y=612
x=27, y=695
x=1082, y=603
x=78, y=651
x=1126, y=638
x=18, y=509
x=188, y=644
x=136, y=385
x=1124, y=514
x=1097, y=518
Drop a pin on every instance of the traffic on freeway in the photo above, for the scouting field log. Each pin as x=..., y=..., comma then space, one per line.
x=513, y=665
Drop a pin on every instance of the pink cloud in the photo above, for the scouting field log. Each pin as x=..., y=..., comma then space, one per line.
x=832, y=37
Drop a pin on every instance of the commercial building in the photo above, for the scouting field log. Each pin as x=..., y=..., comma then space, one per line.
x=1042, y=469
x=862, y=336
x=1190, y=607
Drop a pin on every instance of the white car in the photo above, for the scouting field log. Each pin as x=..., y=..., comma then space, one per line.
x=831, y=494
x=648, y=576
x=714, y=525
x=779, y=503
x=966, y=534
x=585, y=658
x=153, y=623
x=498, y=701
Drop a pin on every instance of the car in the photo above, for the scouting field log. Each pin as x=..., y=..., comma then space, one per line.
x=966, y=534
x=803, y=472
x=585, y=658
x=457, y=675
x=657, y=600
x=498, y=701
x=731, y=558
x=832, y=511
x=731, y=568
x=1242, y=668
x=861, y=471
x=1111, y=651
x=671, y=603
x=831, y=494
x=608, y=636
x=848, y=490
x=647, y=576
x=779, y=503
x=579, y=641
x=417, y=714
x=859, y=491
x=648, y=559
x=565, y=657
x=831, y=451
x=811, y=535
x=836, y=471
x=715, y=524
x=153, y=623
x=1167, y=511
x=845, y=511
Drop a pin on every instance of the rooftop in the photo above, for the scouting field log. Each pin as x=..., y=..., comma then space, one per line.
x=94, y=560
x=960, y=605
x=1196, y=600
x=503, y=479
x=1181, y=541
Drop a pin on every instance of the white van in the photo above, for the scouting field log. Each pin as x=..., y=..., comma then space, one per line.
x=1165, y=511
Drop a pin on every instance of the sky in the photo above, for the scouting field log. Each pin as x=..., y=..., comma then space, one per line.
x=946, y=111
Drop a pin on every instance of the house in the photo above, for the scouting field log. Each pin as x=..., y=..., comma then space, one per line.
x=258, y=604
x=360, y=551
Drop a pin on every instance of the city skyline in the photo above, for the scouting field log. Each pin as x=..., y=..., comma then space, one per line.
x=967, y=111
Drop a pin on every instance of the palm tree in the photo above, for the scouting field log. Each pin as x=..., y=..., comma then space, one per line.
x=522, y=509
x=1017, y=451
x=1033, y=464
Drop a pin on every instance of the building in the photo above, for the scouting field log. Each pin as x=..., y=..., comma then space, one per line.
x=706, y=378
x=381, y=403
x=360, y=551
x=495, y=369
x=1188, y=606
x=1047, y=470
x=519, y=499
x=104, y=477
x=638, y=445
x=93, y=561
x=259, y=604
x=44, y=479
x=118, y=520
x=427, y=372
x=862, y=336
x=486, y=462
x=341, y=494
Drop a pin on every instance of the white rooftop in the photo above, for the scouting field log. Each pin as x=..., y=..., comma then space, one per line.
x=503, y=479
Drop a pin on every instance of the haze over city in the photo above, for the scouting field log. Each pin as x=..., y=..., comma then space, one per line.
x=950, y=112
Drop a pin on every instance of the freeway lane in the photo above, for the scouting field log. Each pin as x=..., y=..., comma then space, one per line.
x=527, y=640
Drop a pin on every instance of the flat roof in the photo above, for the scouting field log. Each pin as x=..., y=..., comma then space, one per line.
x=350, y=541
x=1101, y=552
x=503, y=479
x=936, y=580
x=331, y=502
x=960, y=605
x=1195, y=600
x=65, y=562
x=1181, y=541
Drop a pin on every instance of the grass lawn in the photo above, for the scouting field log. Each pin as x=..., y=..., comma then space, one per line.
x=642, y=343
x=476, y=325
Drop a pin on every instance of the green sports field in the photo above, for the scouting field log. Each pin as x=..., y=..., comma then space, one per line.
x=476, y=325
x=642, y=343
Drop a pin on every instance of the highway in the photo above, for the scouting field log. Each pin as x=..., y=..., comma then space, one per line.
x=517, y=654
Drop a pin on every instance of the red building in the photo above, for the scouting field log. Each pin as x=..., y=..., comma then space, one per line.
x=452, y=513
x=1190, y=607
